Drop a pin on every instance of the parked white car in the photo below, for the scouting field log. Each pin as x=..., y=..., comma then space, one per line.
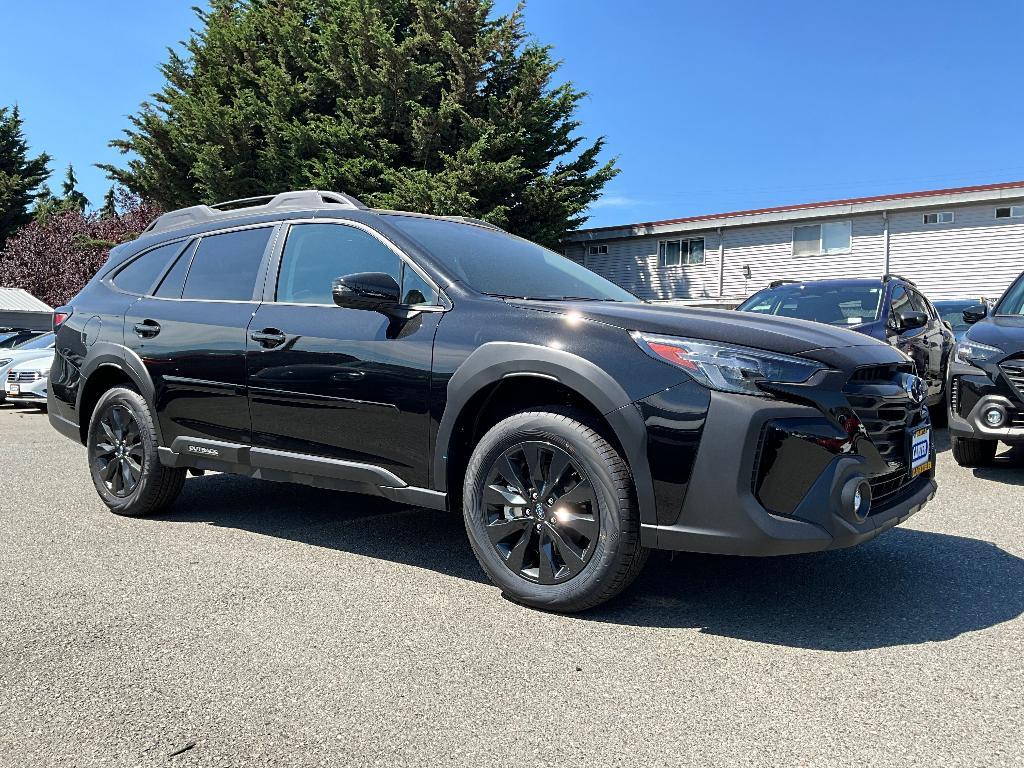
x=39, y=347
x=27, y=380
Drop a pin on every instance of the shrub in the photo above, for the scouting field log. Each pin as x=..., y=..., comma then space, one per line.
x=55, y=255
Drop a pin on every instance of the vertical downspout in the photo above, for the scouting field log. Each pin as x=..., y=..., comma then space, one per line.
x=885, y=240
x=721, y=264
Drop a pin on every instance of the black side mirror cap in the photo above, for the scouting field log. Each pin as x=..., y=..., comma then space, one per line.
x=374, y=291
x=912, y=319
x=975, y=314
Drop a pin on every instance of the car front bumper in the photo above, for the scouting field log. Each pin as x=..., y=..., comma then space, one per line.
x=975, y=391
x=34, y=392
x=728, y=510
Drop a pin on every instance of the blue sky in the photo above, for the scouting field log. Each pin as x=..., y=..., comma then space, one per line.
x=708, y=106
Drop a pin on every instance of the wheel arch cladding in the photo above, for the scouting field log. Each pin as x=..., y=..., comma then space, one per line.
x=504, y=361
x=107, y=368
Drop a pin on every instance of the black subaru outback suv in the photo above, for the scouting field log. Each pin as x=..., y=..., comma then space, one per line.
x=986, y=380
x=444, y=363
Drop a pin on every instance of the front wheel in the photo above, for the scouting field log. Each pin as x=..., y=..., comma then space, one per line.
x=971, y=452
x=550, y=511
x=123, y=459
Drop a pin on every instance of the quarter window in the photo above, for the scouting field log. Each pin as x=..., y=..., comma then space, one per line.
x=677, y=253
x=939, y=217
x=139, y=275
x=817, y=239
x=316, y=254
x=1010, y=212
x=225, y=266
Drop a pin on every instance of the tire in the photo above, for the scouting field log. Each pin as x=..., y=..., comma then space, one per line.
x=586, y=544
x=971, y=452
x=116, y=449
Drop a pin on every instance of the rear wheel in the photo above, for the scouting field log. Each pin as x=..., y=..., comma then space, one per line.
x=123, y=460
x=550, y=511
x=971, y=452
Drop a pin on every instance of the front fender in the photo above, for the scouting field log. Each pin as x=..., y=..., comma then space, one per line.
x=497, y=360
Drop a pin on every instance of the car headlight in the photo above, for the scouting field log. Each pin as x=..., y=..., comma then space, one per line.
x=728, y=368
x=968, y=351
x=44, y=373
x=5, y=361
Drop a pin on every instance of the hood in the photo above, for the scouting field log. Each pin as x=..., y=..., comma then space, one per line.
x=748, y=329
x=17, y=356
x=1003, y=331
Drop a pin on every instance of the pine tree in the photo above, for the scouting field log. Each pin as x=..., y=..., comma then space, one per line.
x=73, y=199
x=428, y=105
x=109, y=207
x=21, y=178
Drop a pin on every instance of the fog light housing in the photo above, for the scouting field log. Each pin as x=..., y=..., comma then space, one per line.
x=856, y=500
x=994, y=416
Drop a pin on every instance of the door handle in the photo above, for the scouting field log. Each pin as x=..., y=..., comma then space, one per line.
x=147, y=329
x=268, y=337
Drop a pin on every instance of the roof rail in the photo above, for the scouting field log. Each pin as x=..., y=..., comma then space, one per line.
x=777, y=283
x=893, y=276
x=303, y=199
x=471, y=220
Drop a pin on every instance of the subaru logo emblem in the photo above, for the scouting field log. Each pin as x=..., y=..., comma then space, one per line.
x=914, y=387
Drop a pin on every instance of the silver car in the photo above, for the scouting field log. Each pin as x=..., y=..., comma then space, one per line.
x=39, y=348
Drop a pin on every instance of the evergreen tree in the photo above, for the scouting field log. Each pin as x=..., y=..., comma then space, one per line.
x=428, y=105
x=109, y=207
x=21, y=177
x=73, y=199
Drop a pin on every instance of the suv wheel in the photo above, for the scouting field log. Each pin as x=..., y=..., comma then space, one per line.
x=123, y=457
x=971, y=452
x=550, y=510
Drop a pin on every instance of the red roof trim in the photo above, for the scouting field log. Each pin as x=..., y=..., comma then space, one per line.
x=805, y=206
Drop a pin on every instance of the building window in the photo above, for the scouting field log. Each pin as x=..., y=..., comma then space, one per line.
x=598, y=250
x=681, y=253
x=818, y=239
x=1010, y=212
x=940, y=217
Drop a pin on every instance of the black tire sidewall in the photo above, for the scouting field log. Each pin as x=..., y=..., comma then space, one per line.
x=615, y=517
x=132, y=504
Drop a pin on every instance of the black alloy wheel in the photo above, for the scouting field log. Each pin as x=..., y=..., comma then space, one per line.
x=540, y=511
x=119, y=457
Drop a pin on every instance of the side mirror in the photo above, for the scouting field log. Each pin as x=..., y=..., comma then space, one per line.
x=375, y=291
x=976, y=313
x=912, y=319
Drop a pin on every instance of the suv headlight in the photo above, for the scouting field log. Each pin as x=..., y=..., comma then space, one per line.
x=5, y=361
x=968, y=351
x=725, y=367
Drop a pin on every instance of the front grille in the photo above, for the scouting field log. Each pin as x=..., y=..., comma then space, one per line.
x=885, y=410
x=884, y=486
x=1013, y=370
x=23, y=377
x=871, y=373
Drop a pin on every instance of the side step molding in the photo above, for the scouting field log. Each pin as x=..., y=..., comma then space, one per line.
x=285, y=466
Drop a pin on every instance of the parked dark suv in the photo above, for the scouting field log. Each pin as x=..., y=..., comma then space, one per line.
x=444, y=363
x=986, y=380
x=892, y=310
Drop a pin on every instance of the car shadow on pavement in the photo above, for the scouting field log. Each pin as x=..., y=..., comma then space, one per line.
x=905, y=587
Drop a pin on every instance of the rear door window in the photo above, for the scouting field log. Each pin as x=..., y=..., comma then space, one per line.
x=225, y=266
x=139, y=275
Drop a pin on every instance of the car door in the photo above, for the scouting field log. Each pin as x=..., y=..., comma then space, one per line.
x=933, y=341
x=336, y=382
x=190, y=334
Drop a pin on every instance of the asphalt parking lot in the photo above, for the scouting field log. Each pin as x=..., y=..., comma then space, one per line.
x=264, y=624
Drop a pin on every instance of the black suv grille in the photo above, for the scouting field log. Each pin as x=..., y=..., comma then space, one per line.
x=1013, y=370
x=885, y=411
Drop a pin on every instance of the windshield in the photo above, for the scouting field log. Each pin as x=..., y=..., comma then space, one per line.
x=835, y=305
x=39, y=342
x=1012, y=302
x=952, y=312
x=500, y=264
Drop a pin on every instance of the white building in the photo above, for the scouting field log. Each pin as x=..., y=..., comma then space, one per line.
x=964, y=242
